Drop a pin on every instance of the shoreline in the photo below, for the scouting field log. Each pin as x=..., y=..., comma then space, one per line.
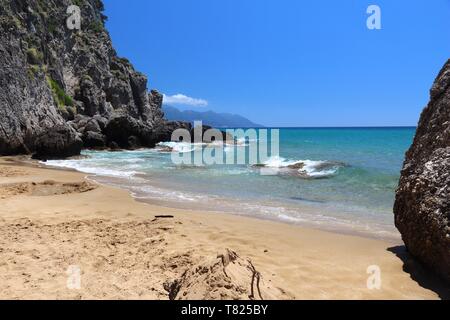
x=85, y=227
x=334, y=224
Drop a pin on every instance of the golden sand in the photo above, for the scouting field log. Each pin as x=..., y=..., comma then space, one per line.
x=55, y=224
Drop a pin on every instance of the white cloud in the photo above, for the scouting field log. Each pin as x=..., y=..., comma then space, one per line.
x=181, y=99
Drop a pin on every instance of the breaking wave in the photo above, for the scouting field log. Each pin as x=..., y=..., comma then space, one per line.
x=181, y=147
x=304, y=168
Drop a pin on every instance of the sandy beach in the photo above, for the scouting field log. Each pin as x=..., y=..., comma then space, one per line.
x=53, y=222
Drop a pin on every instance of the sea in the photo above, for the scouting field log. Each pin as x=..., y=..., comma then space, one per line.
x=334, y=179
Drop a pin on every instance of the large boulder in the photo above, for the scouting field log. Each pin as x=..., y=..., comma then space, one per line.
x=94, y=140
x=129, y=133
x=93, y=126
x=164, y=130
x=422, y=206
x=59, y=142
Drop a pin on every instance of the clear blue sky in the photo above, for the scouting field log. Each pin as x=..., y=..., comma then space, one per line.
x=289, y=62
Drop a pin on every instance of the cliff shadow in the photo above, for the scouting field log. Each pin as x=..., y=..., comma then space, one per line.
x=425, y=278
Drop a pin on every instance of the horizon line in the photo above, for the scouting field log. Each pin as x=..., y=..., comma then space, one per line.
x=321, y=127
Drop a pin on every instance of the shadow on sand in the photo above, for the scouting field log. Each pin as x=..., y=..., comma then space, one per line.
x=420, y=274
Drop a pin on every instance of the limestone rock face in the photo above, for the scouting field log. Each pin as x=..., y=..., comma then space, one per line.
x=422, y=207
x=94, y=140
x=52, y=76
x=58, y=142
x=129, y=133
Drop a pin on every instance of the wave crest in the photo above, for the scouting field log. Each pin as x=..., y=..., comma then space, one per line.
x=304, y=168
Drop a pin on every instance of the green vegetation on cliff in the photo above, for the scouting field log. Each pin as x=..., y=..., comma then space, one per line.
x=59, y=95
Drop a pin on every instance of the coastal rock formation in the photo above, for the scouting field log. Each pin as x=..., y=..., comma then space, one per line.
x=58, y=142
x=422, y=207
x=54, y=77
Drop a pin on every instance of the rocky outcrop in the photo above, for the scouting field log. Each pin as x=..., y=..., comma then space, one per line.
x=129, y=132
x=422, y=207
x=94, y=140
x=58, y=142
x=54, y=77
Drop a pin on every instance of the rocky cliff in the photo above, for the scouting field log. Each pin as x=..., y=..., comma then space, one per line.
x=63, y=89
x=422, y=207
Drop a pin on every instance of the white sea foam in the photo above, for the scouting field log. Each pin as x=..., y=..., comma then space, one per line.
x=153, y=192
x=309, y=168
x=181, y=147
x=81, y=166
x=124, y=172
x=279, y=162
x=186, y=147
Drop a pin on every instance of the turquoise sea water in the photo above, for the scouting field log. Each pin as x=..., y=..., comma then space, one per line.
x=347, y=183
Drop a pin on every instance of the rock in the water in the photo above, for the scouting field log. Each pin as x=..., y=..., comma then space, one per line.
x=113, y=146
x=129, y=133
x=422, y=207
x=163, y=131
x=94, y=140
x=58, y=142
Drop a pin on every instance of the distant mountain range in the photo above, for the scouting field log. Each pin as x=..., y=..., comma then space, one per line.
x=210, y=118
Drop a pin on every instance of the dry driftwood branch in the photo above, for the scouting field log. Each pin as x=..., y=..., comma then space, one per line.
x=255, y=275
